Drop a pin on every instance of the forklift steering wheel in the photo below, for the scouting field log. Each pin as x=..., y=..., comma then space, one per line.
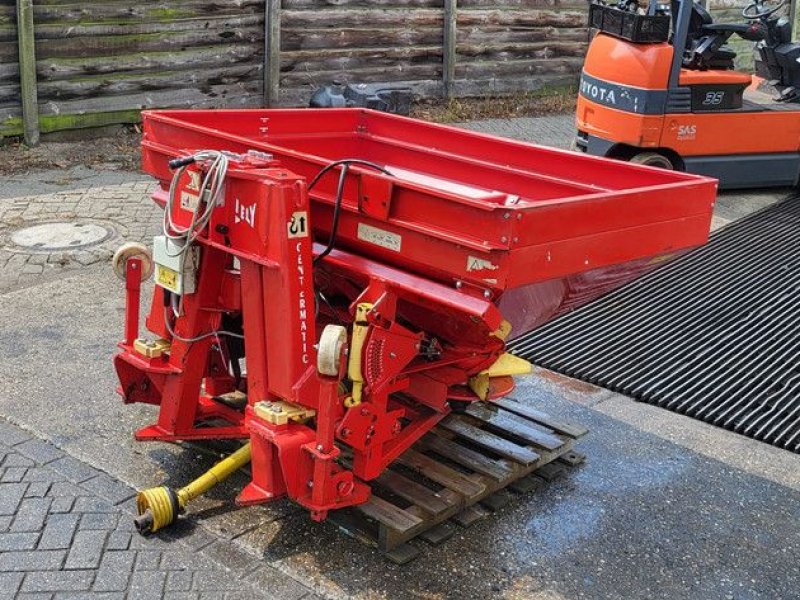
x=756, y=10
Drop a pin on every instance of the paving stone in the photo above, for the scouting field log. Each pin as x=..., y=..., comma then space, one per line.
x=32, y=560
x=118, y=540
x=179, y=581
x=99, y=521
x=58, y=531
x=148, y=560
x=37, y=489
x=91, y=504
x=13, y=474
x=114, y=572
x=43, y=475
x=65, y=488
x=89, y=596
x=17, y=460
x=11, y=495
x=61, y=504
x=9, y=584
x=147, y=584
x=112, y=490
x=18, y=541
x=38, y=450
x=73, y=469
x=5, y=522
x=11, y=435
x=57, y=581
x=86, y=550
x=31, y=514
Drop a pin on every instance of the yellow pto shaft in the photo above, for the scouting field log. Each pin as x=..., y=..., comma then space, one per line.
x=159, y=506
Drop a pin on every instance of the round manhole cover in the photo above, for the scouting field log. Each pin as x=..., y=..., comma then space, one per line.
x=50, y=237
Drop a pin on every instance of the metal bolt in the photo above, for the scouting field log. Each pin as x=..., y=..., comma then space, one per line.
x=487, y=294
x=504, y=239
x=515, y=240
x=507, y=215
x=310, y=483
x=458, y=285
x=319, y=447
x=392, y=355
x=276, y=409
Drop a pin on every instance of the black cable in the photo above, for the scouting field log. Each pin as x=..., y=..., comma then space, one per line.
x=337, y=206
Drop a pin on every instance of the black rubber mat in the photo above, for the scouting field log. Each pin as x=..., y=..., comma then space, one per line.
x=714, y=335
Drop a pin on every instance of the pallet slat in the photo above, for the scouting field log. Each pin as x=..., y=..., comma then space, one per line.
x=388, y=514
x=512, y=423
x=441, y=473
x=466, y=457
x=412, y=491
x=523, y=410
x=491, y=441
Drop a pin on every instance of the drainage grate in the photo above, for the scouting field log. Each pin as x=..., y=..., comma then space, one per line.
x=714, y=335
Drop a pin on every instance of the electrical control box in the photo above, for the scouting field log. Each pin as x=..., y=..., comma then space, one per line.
x=175, y=265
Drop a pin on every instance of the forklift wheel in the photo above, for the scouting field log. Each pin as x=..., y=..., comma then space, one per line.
x=653, y=159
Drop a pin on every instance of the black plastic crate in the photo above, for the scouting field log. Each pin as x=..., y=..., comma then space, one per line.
x=642, y=29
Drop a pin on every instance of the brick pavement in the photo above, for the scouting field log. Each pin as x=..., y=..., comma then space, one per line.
x=126, y=209
x=66, y=532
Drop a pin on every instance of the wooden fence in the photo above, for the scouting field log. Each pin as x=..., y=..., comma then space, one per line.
x=96, y=63
x=66, y=64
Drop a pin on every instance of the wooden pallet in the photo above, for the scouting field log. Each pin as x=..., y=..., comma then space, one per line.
x=460, y=472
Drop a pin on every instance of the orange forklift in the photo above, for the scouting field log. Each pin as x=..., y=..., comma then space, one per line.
x=659, y=88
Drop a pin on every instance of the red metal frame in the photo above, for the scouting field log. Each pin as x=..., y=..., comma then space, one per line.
x=466, y=223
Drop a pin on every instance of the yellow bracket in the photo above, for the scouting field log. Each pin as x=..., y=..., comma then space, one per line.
x=360, y=328
x=151, y=348
x=281, y=412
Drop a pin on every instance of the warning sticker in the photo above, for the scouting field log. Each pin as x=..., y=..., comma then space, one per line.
x=298, y=226
x=479, y=264
x=379, y=237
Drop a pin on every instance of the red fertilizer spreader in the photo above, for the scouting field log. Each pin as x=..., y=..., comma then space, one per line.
x=332, y=283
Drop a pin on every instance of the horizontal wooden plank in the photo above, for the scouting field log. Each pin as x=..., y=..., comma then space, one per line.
x=441, y=473
x=538, y=18
x=518, y=68
x=531, y=413
x=116, y=45
x=155, y=11
x=389, y=74
x=412, y=491
x=210, y=25
x=389, y=515
x=515, y=425
x=376, y=18
x=54, y=69
x=489, y=440
x=507, y=52
x=466, y=457
x=213, y=97
x=358, y=37
x=90, y=87
x=344, y=59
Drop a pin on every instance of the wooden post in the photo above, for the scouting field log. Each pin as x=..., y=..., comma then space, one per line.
x=449, y=47
x=27, y=72
x=272, y=52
